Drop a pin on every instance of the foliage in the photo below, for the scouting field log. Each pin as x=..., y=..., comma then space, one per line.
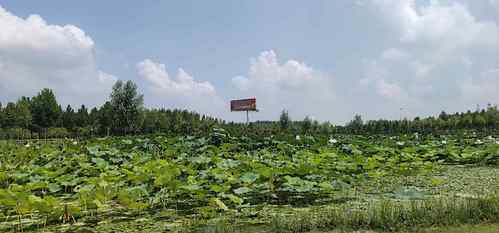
x=392, y=216
x=127, y=104
x=284, y=120
x=45, y=109
x=219, y=171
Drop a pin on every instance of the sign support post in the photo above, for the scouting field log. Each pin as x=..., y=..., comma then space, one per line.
x=247, y=117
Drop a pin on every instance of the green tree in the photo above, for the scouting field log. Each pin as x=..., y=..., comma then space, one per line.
x=479, y=121
x=284, y=120
x=467, y=121
x=93, y=118
x=17, y=114
x=68, y=118
x=127, y=105
x=105, y=118
x=9, y=116
x=443, y=115
x=1, y=116
x=23, y=112
x=45, y=109
x=151, y=121
x=82, y=117
x=356, y=124
x=306, y=124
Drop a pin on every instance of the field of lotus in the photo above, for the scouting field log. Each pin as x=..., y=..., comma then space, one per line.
x=176, y=180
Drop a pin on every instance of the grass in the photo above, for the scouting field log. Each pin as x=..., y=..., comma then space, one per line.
x=444, y=215
x=381, y=216
x=480, y=228
x=394, y=216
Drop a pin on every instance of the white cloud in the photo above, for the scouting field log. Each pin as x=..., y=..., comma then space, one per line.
x=388, y=90
x=484, y=88
x=394, y=54
x=438, y=59
x=35, y=54
x=495, y=4
x=181, y=92
x=447, y=25
x=292, y=85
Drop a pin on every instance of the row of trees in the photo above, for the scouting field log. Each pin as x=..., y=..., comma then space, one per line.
x=123, y=113
x=480, y=120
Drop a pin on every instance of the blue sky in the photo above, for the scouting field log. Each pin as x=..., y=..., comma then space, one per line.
x=325, y=59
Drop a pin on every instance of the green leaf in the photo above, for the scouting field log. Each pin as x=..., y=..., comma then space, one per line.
x=192, y=187
x=216, y=188
x=242, y=190
x=54, y=188
x=218, y=203
x=249, y=177
x=235, y=199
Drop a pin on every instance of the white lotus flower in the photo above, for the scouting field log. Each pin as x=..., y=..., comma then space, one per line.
x=478, y=141
x=27, y=145
x=297, y=137
x=400, y=143
x=444, y=142
x=75, y=143
x=332, y=141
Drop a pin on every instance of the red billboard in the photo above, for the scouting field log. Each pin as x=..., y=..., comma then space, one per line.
x=243, y=105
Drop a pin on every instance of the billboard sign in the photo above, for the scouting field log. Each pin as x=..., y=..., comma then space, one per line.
x=243, y=105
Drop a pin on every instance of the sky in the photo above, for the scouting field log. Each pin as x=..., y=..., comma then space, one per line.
x=325, y=59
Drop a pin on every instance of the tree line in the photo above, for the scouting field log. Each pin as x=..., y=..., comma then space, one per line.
x=486, y=119
x=123, y=113
x=481, y=120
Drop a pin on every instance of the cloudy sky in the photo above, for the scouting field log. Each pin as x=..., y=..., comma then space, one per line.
x=322, y=58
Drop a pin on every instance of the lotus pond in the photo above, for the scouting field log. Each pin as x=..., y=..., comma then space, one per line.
x=160, y=184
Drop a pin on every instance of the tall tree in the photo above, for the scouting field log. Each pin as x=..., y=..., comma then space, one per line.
x=105, y=118
x=306, y=124
x=10, y=116
x=127, y=105
x=82, y=117
x=24, y=116
x=356, y=123
x=93, y=118
x=68, y=118
x=1, y=116
x=284, y=120
x=45, y=109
